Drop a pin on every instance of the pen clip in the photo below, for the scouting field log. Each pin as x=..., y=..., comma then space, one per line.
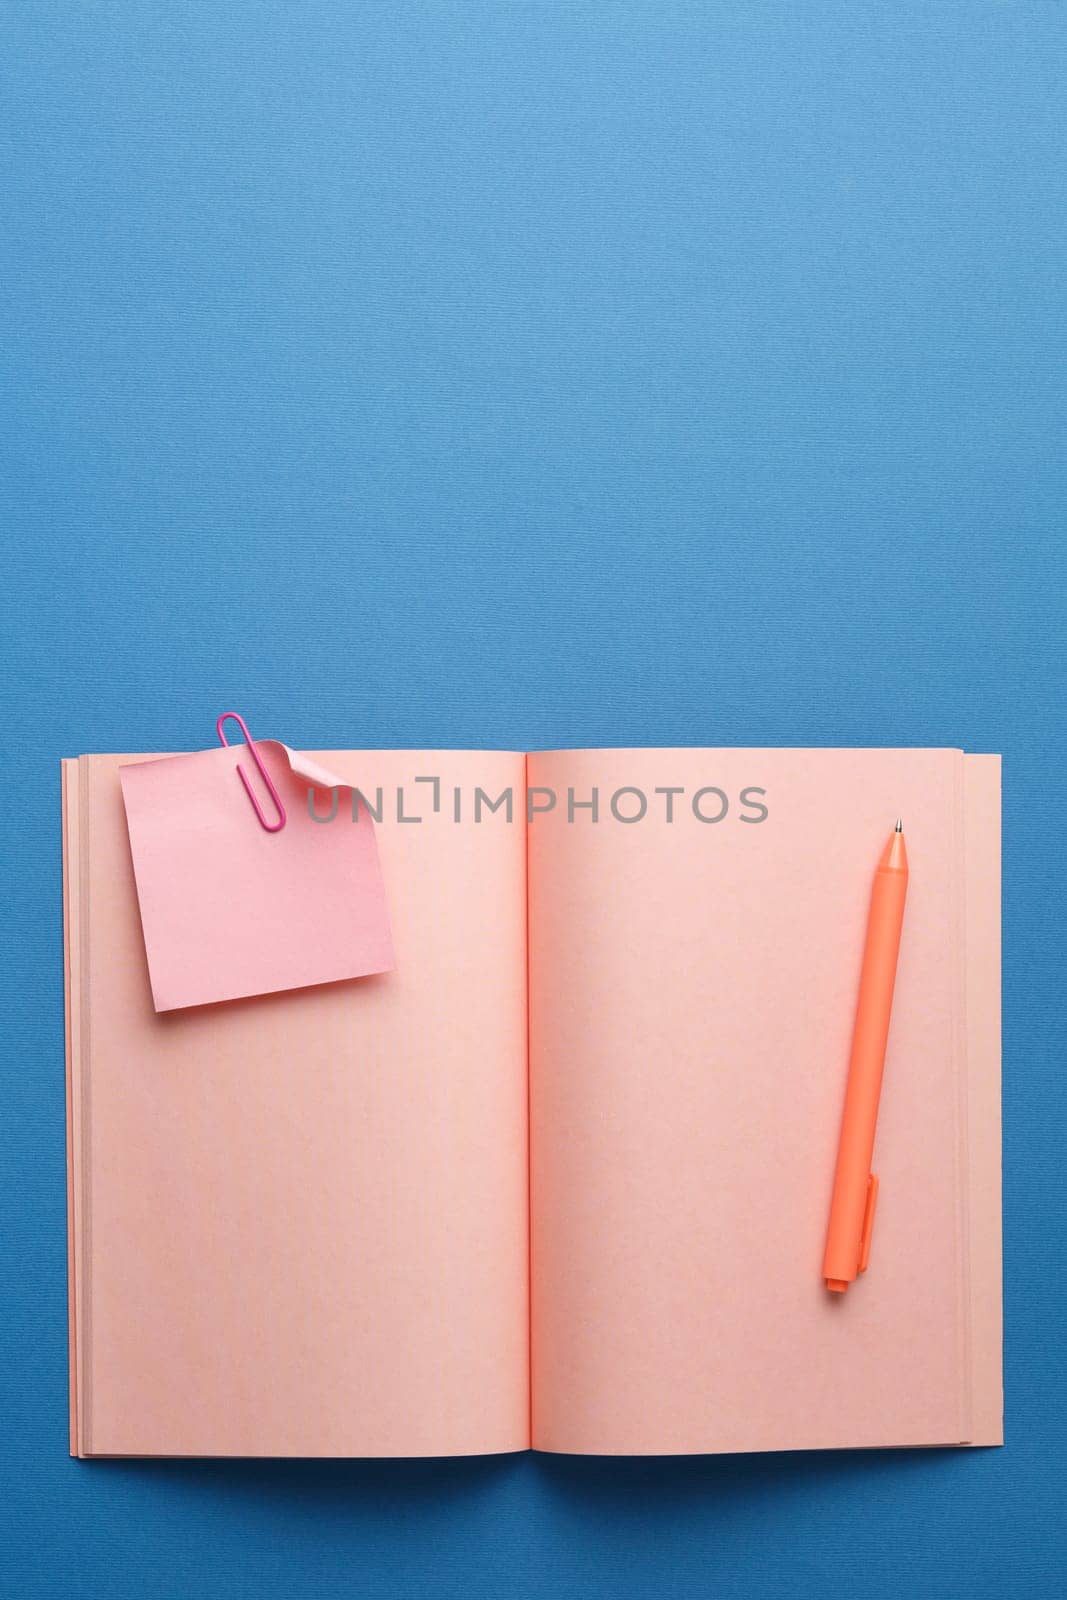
x=868, y=1223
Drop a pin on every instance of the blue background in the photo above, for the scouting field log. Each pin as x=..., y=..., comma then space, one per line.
x=653, y=372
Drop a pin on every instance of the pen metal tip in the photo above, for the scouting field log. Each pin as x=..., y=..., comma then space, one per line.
x=899, y=827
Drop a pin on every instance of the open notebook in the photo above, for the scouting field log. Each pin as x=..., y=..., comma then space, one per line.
x=562, y=1178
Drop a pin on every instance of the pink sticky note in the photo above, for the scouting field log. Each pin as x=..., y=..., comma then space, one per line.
x=227, y=908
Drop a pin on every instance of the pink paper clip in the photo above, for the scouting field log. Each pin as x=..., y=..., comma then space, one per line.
x=271, y=827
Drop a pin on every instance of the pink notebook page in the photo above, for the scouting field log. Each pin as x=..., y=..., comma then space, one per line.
x=299, y=1221
x=692, y=992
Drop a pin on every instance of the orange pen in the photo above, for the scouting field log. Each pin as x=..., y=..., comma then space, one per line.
x=848, y=1238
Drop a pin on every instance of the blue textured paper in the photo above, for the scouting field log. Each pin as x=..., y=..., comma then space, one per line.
x=517, y=373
